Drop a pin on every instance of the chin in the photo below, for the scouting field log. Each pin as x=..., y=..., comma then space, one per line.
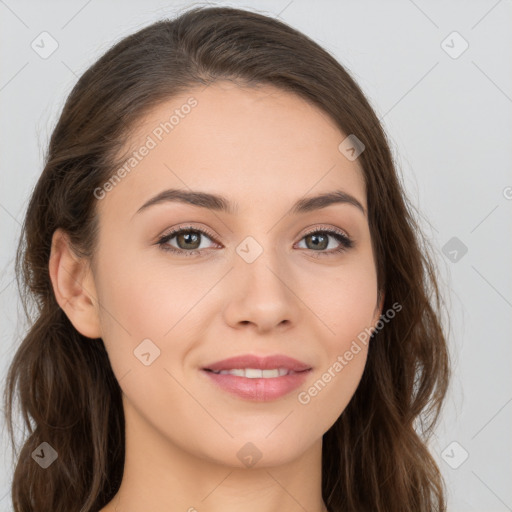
x=257, y=449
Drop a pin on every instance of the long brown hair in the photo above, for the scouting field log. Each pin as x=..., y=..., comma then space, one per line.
x=375, y=456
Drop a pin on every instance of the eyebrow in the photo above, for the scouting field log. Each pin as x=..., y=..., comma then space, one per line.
x=222, y=204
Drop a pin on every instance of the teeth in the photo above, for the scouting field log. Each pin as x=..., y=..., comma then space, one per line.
x=255, y=373
x=238, y=373
x=251, y=373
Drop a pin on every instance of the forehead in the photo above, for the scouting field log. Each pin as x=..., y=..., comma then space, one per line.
x=258, y=144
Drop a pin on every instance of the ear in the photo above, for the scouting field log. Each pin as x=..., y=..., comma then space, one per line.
x=73, y=286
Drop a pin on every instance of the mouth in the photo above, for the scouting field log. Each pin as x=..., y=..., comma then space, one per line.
x=251, y=363
x=258, y=378
x=256, y=373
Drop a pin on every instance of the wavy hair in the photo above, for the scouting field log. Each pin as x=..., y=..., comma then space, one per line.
x=375, y=456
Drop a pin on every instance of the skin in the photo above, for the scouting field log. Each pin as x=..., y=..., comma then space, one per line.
x=263, y=148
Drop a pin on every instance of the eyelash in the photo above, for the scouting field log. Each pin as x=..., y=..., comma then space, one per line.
x=345, y=242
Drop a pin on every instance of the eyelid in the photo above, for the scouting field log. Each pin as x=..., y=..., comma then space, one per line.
x=205, y=230
x=346, y=241
x=321, y=227
x=189, y=227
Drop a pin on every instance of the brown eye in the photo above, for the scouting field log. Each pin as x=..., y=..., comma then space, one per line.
x=188, y=241
x=318, y=241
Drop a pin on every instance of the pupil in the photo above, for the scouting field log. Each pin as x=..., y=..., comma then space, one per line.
x=188, y=235
x=316, y=237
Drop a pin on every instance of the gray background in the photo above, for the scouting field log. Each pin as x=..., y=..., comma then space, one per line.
x=449, y=121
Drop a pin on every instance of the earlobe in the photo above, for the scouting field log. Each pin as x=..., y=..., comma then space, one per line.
x=73, y=286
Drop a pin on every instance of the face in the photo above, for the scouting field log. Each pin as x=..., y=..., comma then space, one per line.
x=258, y=278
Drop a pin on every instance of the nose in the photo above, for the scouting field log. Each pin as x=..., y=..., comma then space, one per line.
x=262, y=296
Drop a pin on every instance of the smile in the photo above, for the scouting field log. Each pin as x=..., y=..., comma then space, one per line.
x=256, y=373
x=256, y=384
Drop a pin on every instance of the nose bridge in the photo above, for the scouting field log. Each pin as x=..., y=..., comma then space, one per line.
x=262, y=294
x=259, y=266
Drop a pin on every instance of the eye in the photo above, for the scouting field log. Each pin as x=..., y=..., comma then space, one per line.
x=319, y=239
x=187, y=238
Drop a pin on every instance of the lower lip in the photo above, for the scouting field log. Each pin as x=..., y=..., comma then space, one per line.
x=260, y=390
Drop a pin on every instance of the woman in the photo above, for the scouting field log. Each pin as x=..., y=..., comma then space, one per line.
x=234, y=306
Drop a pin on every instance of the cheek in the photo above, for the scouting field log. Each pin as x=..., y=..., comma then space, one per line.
x=328, y=394
x=345, y=301
x=140, y=302
x=346, y=306
x=146, y=301
x=347, y=309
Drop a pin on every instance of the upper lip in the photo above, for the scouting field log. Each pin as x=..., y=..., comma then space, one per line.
x=259, y=362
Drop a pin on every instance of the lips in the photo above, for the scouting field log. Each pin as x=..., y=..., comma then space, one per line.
x=261, y=363
x=254, y=378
